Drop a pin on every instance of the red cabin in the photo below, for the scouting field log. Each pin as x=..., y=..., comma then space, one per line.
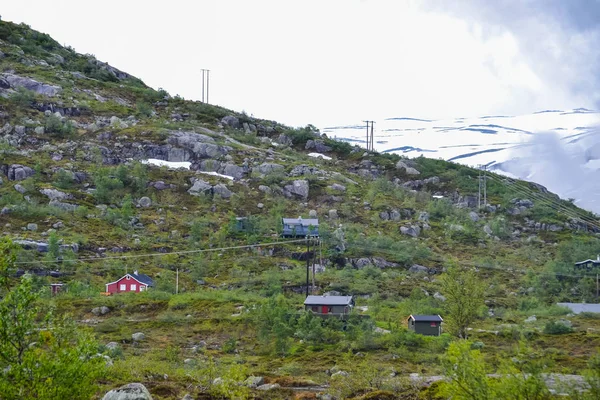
x=130, y=283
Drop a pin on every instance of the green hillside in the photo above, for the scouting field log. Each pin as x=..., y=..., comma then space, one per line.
x=78, y=196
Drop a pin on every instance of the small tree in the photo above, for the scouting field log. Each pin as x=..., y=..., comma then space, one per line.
x=464, y=292
x=40, y=358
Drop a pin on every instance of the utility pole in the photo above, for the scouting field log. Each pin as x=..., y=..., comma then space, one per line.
x=203, y=85
x=177, y=281
x=597, y=288
x=485, y=186
x=369, y=138
x=207, y=83
x=479, y=189
x=307, y=263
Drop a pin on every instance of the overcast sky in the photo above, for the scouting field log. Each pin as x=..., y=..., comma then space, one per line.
x=334, y=62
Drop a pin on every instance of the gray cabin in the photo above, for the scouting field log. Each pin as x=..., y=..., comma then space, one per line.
x=588, y=264
x=430, y=325
x=336, y=306
x=298, y=227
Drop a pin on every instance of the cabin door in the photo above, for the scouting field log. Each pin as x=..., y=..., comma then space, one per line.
x=324, y=309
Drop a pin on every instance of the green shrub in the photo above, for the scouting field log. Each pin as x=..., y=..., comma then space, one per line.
x=55, y=126
x=144, y=108
x=556, y=328
x=23, y=97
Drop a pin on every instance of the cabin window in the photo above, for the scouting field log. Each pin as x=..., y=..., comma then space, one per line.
x=433, y=325
x=142, y=288
x=412, y=322
x=330, y=309
x=133, y=287
x=127, y=277
x=345, y=310
x=315, y=309
x=123, y=287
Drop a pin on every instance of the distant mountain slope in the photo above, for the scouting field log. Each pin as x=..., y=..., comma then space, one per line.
x=558, y=149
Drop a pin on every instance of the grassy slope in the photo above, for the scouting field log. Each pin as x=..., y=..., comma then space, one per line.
x=177, y=221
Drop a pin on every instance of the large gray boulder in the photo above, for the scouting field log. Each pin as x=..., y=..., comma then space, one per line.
x=18, y=172
x=138, y=336
x=269, y=168
x=231, y=121
x=17, y=81
x=412, y=230
x=131, y=391
x=222, y=191
x=192, y=145
x=54, y=194
x=298, y=188
x=418, y=268
x=234, y=171
x=200, y=188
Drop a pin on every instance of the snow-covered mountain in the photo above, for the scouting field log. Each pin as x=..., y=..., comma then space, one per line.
x=558, y=149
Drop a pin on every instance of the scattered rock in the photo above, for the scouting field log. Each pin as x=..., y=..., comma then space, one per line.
x=17, y=81
x=222, y=191
x=138, y=336
x=112, y=345
x=338, y=187
x=54, y=194
x=20, y=188
x=32, y=227
x=474, y=217
x=298, y=188
x=312, y=214
x=131, y=391
x=17, y=172
x=145, y=202
x=231, y=121
x=268, y=386
x=254, y=381
x=333, y=214
x=200, y=187
x=487, y=229
x=415, y=268
x=412, y=230
x=530, y=319
x=439, y=297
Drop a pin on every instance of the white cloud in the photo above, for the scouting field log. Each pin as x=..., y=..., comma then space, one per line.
x=318, y=62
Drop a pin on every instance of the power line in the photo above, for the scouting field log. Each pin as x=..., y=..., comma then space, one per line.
x=162, y=254
x=560, y=208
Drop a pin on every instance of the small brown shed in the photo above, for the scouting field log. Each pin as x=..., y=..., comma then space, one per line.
x=430, y=325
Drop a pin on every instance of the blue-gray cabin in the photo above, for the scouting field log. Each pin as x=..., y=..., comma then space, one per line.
x=335, y=306
x=588, y=264
x=298, y=227
x=430, y=325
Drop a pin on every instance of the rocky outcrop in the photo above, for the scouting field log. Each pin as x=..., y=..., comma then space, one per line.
x=318, y=145
x=203, y=188
x=401, y=165
x=54, y=194
x=17, y=172
x=303, y=170
x=231, y=122
x=297, y=189
x=378, y=262
x=17, y=81
x=269, y=168
x=131, y=391
x=412, y=230
x=419, y=183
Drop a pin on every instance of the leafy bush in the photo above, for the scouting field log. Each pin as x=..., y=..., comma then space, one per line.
x=57, y=127
x=556, y=328
x=23, y=97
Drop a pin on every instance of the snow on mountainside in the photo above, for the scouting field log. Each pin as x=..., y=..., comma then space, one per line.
x=558, y=149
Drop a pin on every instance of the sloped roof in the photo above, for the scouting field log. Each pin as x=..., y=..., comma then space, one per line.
x=426, y=318
x=328, y=300
x=301, y=221
x=588, y=261
x=144, y=279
